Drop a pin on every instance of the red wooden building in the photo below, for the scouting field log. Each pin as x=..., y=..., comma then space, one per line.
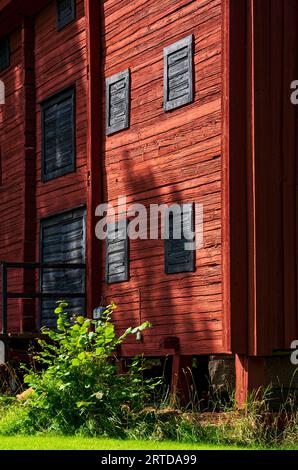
x=208, y=120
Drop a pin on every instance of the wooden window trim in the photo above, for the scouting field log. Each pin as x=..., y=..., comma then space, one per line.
x=55, y=99
x=125, y=275
x=62, y=24
x=171, y=104
x=113, y=128
x=168, y=244
x=56, y=219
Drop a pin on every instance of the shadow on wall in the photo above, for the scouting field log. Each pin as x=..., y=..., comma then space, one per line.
x=55, y=69
x=12, y=175
x=131, y=168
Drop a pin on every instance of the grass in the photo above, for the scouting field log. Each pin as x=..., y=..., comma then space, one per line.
x=54, y=417
x=83, y=443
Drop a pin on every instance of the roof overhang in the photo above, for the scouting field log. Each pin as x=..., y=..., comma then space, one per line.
x=13, y=11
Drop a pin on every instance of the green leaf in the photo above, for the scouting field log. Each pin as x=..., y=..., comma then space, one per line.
x=142, y=327
x=81, y=404
x=62, y=303
x=109, y=332
x=128, y=331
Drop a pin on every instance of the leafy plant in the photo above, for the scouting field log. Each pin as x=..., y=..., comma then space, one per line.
x=78, y=387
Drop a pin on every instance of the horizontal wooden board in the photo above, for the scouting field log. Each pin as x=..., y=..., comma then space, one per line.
x=167, y=158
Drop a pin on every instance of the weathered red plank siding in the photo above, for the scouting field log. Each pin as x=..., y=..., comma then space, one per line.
x=168, y=158
x=234, y=150
x=289, y=168
x=12, y=184
x=272, y=183
x=60, y=61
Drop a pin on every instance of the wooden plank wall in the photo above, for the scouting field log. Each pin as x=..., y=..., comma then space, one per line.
x=171, y=157
x=12, y=182
x=168, y=158
x=28, y=312
x=272, y=213
x=60, y=61
x=289, y=170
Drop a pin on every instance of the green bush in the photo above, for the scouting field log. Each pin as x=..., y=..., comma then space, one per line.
x=77, y=389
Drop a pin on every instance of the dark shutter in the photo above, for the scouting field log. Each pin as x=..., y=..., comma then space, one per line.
x=66, y=12
x=117, y=102
x=4, y=53
x=63, y=241
x=178, y=74
x=117, y=252
x=58, y=133
x=177, y=258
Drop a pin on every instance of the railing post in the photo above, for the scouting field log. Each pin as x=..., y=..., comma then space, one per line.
x=4, y=297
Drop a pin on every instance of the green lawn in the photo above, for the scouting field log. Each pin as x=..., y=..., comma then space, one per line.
x=80, y=443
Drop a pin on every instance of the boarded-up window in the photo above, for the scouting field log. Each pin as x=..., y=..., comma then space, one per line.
x=179, y=250
x=63, y=241
x=178, y=74
x=58, y=135
x=66, y=12
x=4, y=53
x=117, y=102
x=117, y=252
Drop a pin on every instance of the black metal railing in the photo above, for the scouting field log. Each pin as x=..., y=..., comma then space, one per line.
x=5, y=294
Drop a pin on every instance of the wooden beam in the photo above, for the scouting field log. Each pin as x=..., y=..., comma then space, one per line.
x=233, y=174
x=181, y=377
x=94, y=150
x=249, y=378
x=13, y=11
x=28, y=307
x=264, y=149
x=225, y=177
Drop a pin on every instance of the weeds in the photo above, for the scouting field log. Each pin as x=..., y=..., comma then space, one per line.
x=78, y=389
x=79, y=392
